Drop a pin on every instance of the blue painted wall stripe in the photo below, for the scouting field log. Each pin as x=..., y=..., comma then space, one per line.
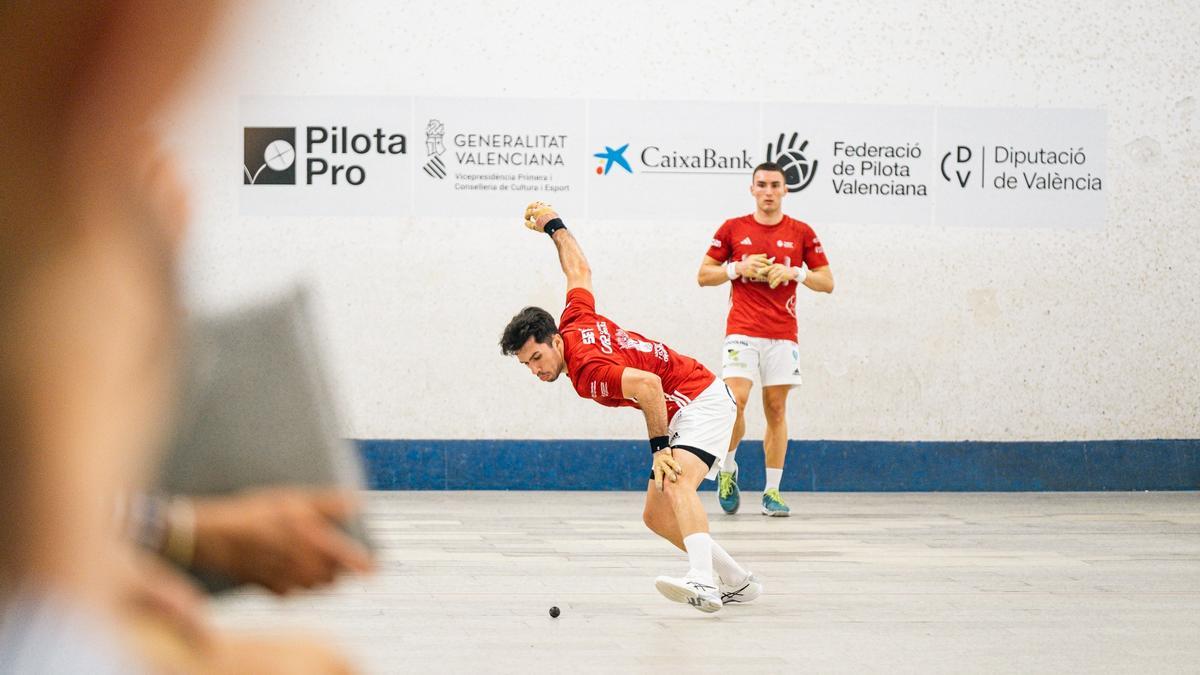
x=819, y=466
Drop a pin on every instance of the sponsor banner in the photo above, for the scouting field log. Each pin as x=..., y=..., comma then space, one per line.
x=490, y=157
x=1020, y=168
x=853, y=163
x=671, y=160
x=314, y=156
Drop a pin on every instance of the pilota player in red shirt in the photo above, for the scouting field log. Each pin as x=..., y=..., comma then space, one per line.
x=763, y=256
x=689, y=414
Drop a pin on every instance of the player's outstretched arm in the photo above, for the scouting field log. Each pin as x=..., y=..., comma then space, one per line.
x=570, y=256
x=541, y=217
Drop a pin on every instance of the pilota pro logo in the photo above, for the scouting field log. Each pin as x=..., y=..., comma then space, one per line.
x=798, y=171
x=269, y=156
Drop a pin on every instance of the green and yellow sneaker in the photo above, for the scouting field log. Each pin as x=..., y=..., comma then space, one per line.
x=727, y=491
x=773, y=504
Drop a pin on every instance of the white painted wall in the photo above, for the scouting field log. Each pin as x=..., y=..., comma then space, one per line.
x=936, y=334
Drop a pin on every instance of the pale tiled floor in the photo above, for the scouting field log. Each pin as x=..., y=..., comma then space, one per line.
x=946, y=582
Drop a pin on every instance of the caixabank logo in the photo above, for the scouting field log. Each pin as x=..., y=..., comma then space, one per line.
x=333, y=155
x=610, y=157
x=664, y=158
x=269, y=156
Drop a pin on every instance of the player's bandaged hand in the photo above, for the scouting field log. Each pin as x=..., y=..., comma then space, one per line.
x=754, y=267
x=537, y=214
x=665, y=466
x=778, y=274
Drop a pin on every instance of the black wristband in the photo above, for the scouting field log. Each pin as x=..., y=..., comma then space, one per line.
x=553, y=226
x=659, y=443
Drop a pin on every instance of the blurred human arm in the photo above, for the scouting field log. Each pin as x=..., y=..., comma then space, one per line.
x=280, y=538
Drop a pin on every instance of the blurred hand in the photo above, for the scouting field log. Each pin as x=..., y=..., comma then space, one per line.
x=164, y=616
x=163, y=650
x=155, y=592
x=280, y=538
x=268, y=655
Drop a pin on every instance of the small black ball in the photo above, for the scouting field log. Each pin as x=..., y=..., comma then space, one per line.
x=554, y=612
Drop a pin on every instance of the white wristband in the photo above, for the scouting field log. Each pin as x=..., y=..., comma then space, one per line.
x=731, y=271
x=801, y=275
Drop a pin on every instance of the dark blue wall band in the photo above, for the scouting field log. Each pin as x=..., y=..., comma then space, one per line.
x=818, y=466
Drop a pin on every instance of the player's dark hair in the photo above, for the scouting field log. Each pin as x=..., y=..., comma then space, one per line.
x=768, y=166
x=531, y=322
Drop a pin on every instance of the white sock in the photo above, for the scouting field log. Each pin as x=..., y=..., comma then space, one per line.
x=725, y=566
x=773, y=478
x=729, y=463
x=699, y=547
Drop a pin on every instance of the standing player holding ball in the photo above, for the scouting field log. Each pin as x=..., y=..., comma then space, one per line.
x=763, y=256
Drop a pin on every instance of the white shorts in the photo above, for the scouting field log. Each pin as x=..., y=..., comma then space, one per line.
x=706, y=424
x=771, y=362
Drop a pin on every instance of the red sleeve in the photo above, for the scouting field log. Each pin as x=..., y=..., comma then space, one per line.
x=814, y=252
x=580, y=302
x=719, y=248
x=601, y=380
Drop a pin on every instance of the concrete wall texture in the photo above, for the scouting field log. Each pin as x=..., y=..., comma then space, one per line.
x=933, y=334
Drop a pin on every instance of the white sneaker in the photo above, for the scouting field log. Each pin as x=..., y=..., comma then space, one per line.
x=745, y=590
x=699, y=595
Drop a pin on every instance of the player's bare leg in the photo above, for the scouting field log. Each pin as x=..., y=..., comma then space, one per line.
x=775, y=447
x=736, y=583
x=728, y=494
x=676, y=514
x=740, y=388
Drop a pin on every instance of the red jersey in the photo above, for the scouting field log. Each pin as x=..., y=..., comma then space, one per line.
x=598, y=351
x=755, y=309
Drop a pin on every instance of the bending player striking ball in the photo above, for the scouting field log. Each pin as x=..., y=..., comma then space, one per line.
x=689, y=414
x=761, y=256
